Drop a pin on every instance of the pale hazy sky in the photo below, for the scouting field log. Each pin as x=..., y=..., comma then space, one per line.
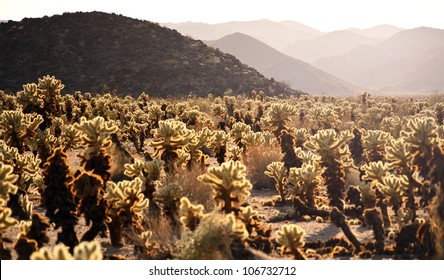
x=325, y=15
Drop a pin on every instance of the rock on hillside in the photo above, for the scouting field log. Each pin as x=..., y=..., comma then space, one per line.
x=96, y=51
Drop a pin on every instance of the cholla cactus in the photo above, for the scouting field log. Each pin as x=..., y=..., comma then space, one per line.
x=168, y=194
x=356, y=147
x=71, y=137
x=212, y=238
x=200, y=140
x=278, y=172
x=171, y=136
x=287, y=143
x=301, y=135
x=392, y=187
x=230, y=185
x=18, y=129
x=392, y=125
x=305, y=180
x=368, y=195
x=236, y=153
x=190, y=214
x=6, y=222
x=374, y=144
x=26, y=167
x=84, y=251
x=278, y=115
x=96, y=138
x=375, y=171
x=148, y=172
x=90, y=190
x=59, y=199
x=126, y=205
x=43, y=98
x=136, y=132
x=219, y=142
x=335, y=156
x=237, y=133
x=7, y=181
x=252, y=139
x=291, y=237
x=420, y=134
x=400, y=156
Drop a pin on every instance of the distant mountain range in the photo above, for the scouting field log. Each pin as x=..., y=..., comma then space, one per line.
x=380, y=59
x=275, y=34
x=274, y=64
x=99, y=51
x=410, y=61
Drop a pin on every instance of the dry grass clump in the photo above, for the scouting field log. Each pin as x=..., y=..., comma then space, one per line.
x=257, y=160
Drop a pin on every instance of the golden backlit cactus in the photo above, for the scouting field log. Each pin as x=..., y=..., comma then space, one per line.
x=420, y=135
x=229, y=183
x=392, y=187
x=84, y=251
x=136, y=132
x=171, y=136
x=335, y=156
x=305, y=180
x=58, y=197
x=301, y=135
x=278, y=172
x=7, y=186
x=374, y=142
x=212, y=239
x=190, y=214
x=200, y=140
x=236, y=153
x=126, y=204
x=7, y=181
x=71, y=137
x=252, y=139
x=97, y=138
x=219, y=143
x=26, y=167
x=237, y=133
x=90, y=190
x=149, y=172
x=43, y=98
x=368, y=195
x=18, y=129
x=278, y=115
x=375, y=171
x=168, y=194
x=6, y=222
x=400, y=157
x=291, y=237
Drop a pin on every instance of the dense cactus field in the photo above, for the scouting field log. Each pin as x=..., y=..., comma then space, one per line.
x=86, y=176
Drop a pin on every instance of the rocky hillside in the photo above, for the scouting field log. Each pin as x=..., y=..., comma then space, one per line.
x=99, y=51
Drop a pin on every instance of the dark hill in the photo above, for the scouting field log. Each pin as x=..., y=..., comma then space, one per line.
x=93, y=51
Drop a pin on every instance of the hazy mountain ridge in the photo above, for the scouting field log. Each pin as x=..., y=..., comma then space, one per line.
x=90, y=51
x=273, y=63
x=410, y=60
x=275, y=34
x=329, y=44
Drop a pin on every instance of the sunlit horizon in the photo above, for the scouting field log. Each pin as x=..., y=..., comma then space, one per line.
x=320, y=14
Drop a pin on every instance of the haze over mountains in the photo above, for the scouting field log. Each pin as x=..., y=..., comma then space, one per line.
x=275, y=34
x=411, y=61
x=275, y=64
